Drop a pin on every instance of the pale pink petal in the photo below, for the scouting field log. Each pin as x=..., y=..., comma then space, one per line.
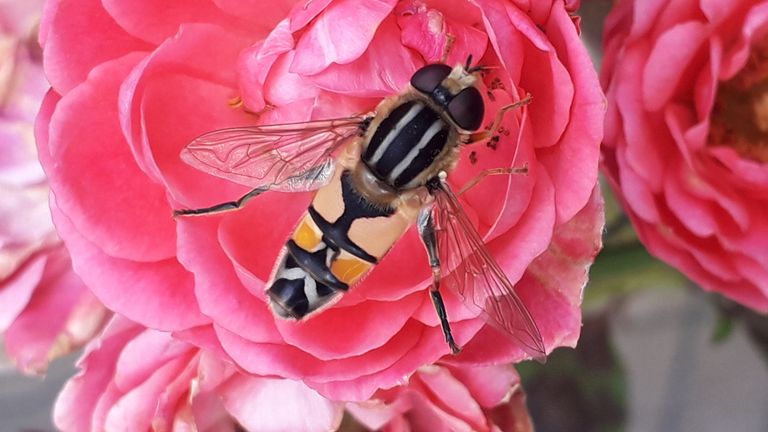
x=255, y=63
x=427, y=31
x=135, y=410
x=267, y=404
x=17, y=289
x=489, y=385
x=39, y=333
x=660, y=82
x=75, y=405
x=383, y=69
x=323, y=45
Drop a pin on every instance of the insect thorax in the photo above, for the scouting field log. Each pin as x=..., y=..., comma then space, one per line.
x=408, y=144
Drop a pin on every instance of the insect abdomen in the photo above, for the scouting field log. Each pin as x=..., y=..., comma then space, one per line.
x=339, y=240
x=406, y=143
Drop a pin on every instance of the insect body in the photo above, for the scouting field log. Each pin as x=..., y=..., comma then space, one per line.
x=389, y=174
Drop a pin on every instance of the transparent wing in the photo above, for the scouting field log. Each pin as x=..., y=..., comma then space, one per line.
x=469, y=269
x=292, y=156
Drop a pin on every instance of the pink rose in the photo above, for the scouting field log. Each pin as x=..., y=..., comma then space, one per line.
x=135, y=379
x=450, y=397
x=45, y=310
x=139, y=82
x=685, y=136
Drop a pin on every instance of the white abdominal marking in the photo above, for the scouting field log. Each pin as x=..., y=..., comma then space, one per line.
x=292, y=273
x=310, y=285
x=310, y=290
x=413, y=112
x=406, y=162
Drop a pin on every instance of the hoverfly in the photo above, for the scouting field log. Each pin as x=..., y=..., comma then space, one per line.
x=375, y=175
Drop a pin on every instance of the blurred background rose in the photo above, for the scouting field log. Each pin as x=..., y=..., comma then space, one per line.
x=686, y=141
x=45, y=310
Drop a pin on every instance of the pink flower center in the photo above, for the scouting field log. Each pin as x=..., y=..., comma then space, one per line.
x=740, y=114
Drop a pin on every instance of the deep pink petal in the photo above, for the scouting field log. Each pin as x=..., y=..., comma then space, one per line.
x=69, y=56
x=649, y=165
x=303, y=13
x=157, y=294
x=429, y=348
x=154, y=22
x=256, y=12
x=186, y=70
x=515, y=249
x=239, y=310
x=355, y=332
x=124, y=213
x=574, y=167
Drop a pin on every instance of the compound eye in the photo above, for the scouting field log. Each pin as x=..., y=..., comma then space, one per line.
x=429, y=77
x=467, y=109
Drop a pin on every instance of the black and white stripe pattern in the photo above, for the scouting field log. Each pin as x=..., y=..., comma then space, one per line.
x=295, y=293
x=406, y=143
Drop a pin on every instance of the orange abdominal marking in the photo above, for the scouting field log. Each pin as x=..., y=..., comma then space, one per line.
x=349, y=270
x=306, y=237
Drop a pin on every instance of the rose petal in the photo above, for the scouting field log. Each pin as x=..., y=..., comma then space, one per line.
x=321, y=45
x=157, y=294
x=383, y=69
x=70, y=56
x=154, y=22
x=124, y=213
x=277, y=405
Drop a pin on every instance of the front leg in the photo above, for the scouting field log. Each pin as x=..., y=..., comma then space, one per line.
x=428, y=235
x=484, y=135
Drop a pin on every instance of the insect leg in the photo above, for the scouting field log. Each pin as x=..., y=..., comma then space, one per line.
x=223, y=207
x=483, y=135
x=312, y=179
x=489, y=172
x=428, y=236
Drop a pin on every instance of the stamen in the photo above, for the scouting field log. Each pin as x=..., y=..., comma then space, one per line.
x=740, y=115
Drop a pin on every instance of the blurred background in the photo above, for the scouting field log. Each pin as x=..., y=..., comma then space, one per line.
x=656, y=354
